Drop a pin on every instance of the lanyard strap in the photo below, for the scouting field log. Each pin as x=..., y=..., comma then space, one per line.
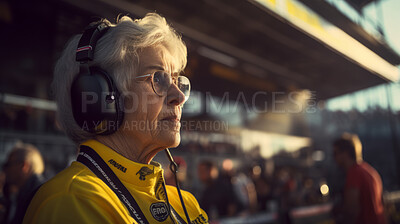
x=96, y=164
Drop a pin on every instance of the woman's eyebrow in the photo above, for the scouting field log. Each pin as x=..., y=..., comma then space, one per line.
x=155, y=67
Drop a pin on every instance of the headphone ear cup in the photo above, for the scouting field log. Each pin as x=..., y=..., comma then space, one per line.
x=96, y=102
x=112, y=100
x=120, y=109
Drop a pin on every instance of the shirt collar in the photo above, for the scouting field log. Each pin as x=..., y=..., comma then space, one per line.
x=142, y=175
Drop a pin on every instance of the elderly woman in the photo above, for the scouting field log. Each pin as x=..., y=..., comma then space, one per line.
x=120, y=97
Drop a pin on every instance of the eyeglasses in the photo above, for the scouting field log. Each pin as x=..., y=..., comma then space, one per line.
x=161, y=81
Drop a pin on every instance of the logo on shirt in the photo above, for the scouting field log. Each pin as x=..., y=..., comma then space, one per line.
x=117, y=165
x=143, y=172
x=159, y=211
x=200, y=220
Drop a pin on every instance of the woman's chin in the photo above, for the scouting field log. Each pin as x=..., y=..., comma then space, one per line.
x=172, y=140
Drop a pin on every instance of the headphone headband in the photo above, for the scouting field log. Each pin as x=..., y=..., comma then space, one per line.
x=88, y=41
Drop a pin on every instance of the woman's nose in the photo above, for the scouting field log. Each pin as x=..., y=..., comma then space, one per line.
x=175, y=96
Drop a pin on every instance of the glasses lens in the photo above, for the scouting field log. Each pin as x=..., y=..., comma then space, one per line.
x=161, y=82
x=184, y=86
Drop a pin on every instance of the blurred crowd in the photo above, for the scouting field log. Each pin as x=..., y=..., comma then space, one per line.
x=229, y=192
x=225, y=188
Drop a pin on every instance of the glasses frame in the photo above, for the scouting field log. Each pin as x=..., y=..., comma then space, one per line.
x=151, y=75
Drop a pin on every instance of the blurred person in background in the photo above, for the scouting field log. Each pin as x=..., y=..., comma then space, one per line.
x=242, y=185
x=23, y=172
x=218, y=197
x=119, y=94
x=285, y=191
x=362, y=199
x=263, y=188
x=308, y=193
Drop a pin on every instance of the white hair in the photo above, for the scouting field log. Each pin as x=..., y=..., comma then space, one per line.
x=24, y=152
x=117, y=53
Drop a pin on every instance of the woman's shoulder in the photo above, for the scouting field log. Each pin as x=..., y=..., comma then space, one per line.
x=75, y=180
x=77, y=192
x=172, y=192
x=191, y=204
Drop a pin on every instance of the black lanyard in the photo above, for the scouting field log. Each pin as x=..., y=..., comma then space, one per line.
x=96, y=164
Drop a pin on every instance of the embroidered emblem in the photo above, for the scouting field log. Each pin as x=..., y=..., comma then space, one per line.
x=159, y=211
x=200, y=220
x=117, y=165
x=143, y=172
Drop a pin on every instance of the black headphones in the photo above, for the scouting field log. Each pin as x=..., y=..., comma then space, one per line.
x=96, y=103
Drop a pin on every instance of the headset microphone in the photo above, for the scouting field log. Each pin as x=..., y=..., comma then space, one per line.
x=174, y=169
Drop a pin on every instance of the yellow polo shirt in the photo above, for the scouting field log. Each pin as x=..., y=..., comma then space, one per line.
x=76, y=195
